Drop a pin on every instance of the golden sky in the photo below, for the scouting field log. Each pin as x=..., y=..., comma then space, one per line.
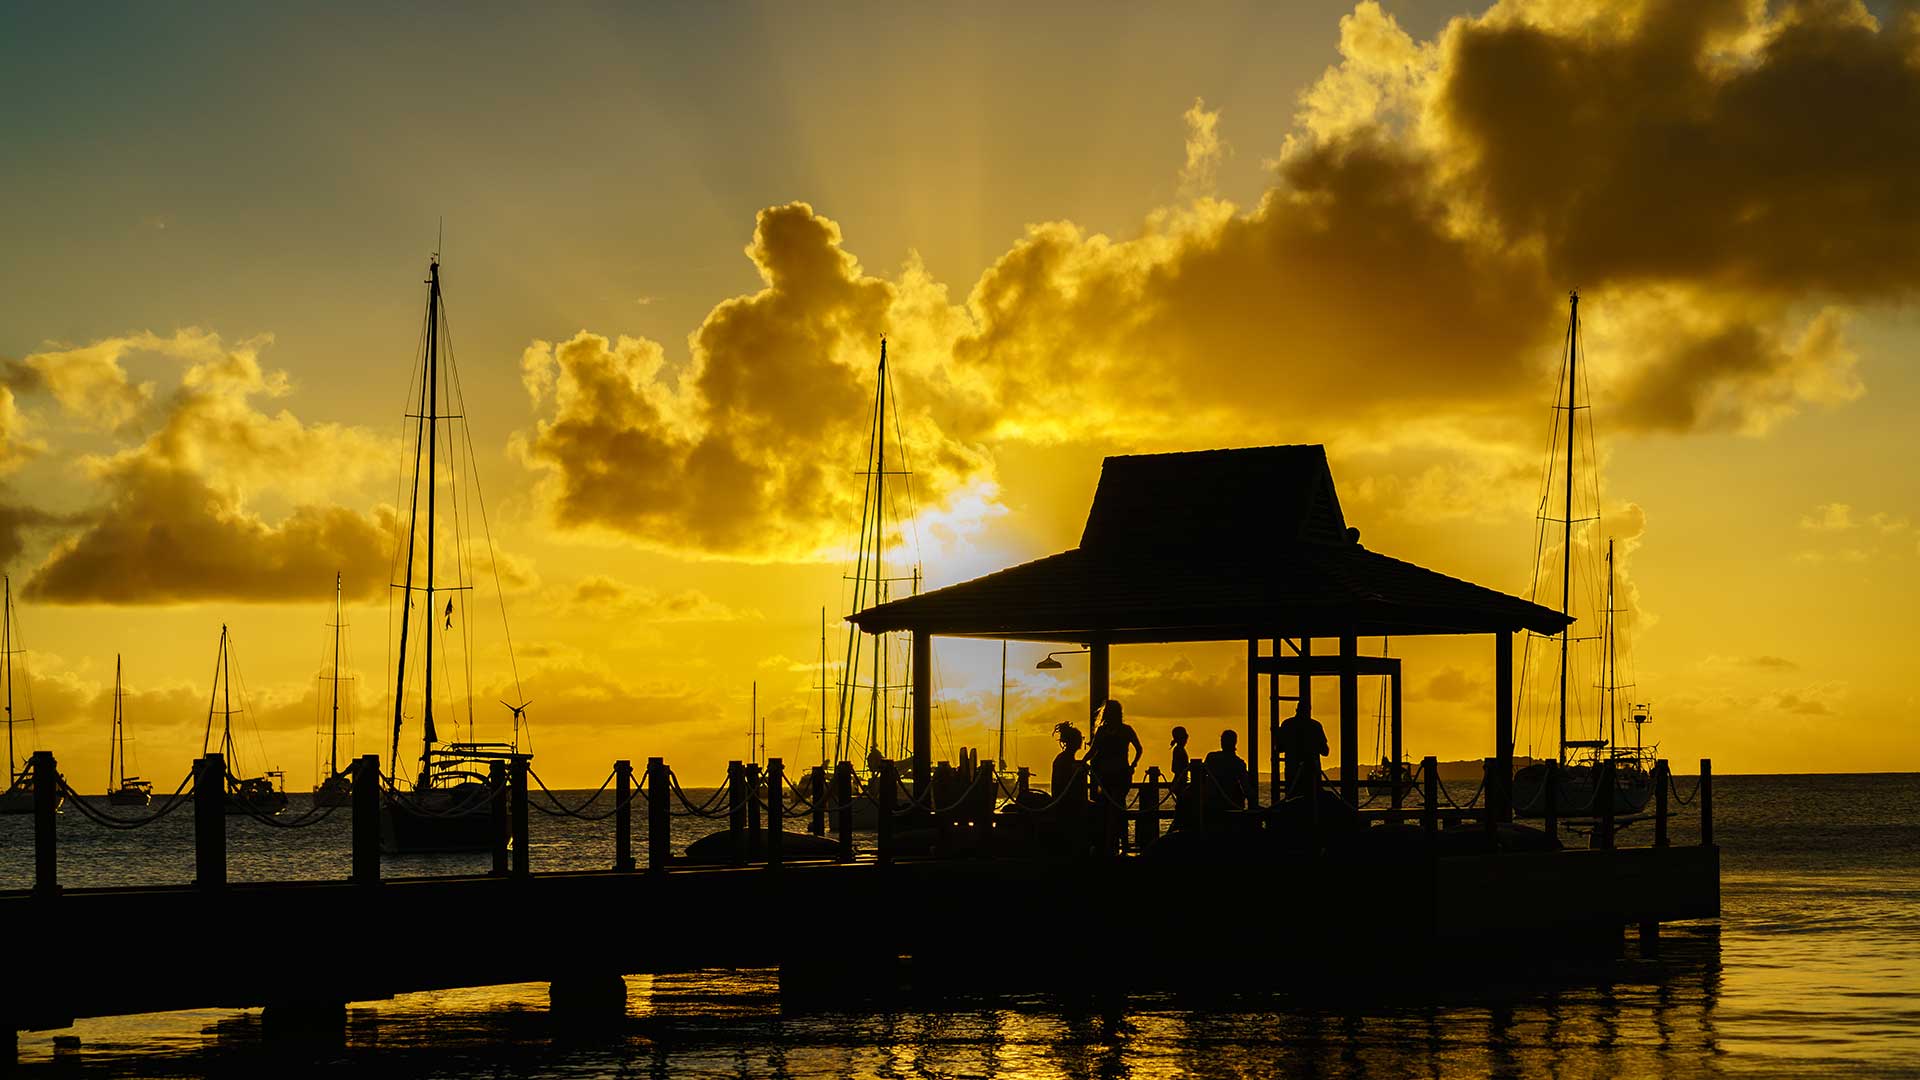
x=674, y=236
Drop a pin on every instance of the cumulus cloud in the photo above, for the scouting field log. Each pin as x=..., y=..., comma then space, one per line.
x=178, y=523
x=600, y=596
x=1205, y=150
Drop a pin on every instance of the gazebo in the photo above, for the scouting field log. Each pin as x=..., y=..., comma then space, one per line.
x=1225, y=545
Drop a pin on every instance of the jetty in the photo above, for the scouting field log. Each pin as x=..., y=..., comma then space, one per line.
x=1242, y=545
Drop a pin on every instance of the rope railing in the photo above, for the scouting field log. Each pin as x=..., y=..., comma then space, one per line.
x=1674, y=786
x=413, y=805
x=312, y=817
x=114, y=821
x=560, y=809
x=704, y=811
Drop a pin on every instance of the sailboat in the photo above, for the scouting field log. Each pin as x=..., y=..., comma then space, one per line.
x=1578, y=756
x=245, y=794
x=18, y=796
x=122, y=790
x=334, y=788
x=448, y=806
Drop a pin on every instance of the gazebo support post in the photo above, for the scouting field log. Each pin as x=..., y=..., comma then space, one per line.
x=1096, y=679
x=1253, y=699
x=922, y=712
x=1349, y=720
x=1399, y=748
x=1503, y=723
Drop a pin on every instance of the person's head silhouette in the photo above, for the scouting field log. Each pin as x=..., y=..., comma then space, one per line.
x=1110, y=713
x=1228, y=740
x=1068, y=734
x=1179, y=736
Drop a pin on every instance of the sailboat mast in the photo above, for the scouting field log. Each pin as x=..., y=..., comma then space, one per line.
x=413, y=517
x=1000, y=761
x=333, y=733
x=883, y=729
x=1566, y=543
x=1611, y=675
x=117, y=749
x=226, y=700
x=6, y=646
x=433, y=432
x=823, y=687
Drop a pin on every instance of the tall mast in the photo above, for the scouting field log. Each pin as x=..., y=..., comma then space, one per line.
x=226, y=701
x=878, y=726
x=333, y=734
x=1610, y=675
x=6, y=646
x=823, y=686
x=1566, y=543
x=1000, y=762
x=117, y=749
x=433, y=432
x=413, y=517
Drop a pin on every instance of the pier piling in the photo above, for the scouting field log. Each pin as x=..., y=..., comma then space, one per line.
x=46, y=803
x=984, y=805
x=366, y=819
x=737, y=812
x=753, y=810
x=883, y=839
x=1705, y=795
x=1430, y=796
x=1147, y=828
x=1660, y=770
x=210, y=821
x=497, y=806
x=1550, y=801
x=776, y=810
x=1603, y=806
x=659, y=817
x=522, y=855
x=623, y=815
x=817, y=788
x=843, y=808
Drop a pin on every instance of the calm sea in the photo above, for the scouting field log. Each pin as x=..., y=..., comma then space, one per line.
x=1814, y=969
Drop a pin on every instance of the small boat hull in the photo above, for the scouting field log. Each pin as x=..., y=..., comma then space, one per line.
x=438, y=821
x=335, y=791
x=1573, y=792
x=130, y=796
x=19, y=799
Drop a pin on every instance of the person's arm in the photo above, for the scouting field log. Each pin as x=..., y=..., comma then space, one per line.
x=1324, y=749
x=1138, y=751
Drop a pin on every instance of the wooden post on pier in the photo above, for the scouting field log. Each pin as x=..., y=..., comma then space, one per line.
x=1705, y=794
x=1430, y=796
x=46, y=804
x=817, y=785
x=623, y=815
x=986, y=799
x=1603, y=805
x=1198, y=784
x=1550, y=801
x=497, y=808
x=843, y=812
x=366, y=819
x=753, y=811
x=888, y=783
x=522, y=855
x=659, y=816
x=1147, y=829
x=1022, y=783
x=737, y=812
x=776, y=809
x=1499, y=795
x=942, y=819
x=210, y=821
x=1349, y=720
x=1489, y=803
x=1660, y=803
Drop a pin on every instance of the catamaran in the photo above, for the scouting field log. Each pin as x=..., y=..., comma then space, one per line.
x=18, y=796
x=122, y=790
x=264, y=794
x=448, y=804
x=334, y=788
x=1578, y=757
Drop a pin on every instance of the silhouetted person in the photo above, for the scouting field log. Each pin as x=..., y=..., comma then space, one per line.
x=1228, y=790
x=1304, y=742
x=1112, y=764
x=1069, y=790
x=1179, y=775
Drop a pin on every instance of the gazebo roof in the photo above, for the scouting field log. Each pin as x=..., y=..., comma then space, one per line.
x=1212, y=545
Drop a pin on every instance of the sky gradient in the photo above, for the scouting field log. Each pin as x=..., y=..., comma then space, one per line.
x=674, y=235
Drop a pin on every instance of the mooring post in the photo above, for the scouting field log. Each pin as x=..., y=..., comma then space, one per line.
x=737, y=812
x=659, y=817
x=46, y=804
x=1430, y=796
x=210, y=821
x=1022, y=782
x=522, y=855
x=1660, y=803
x=1147, y=829
x=1197, y=784
x=1603, y=805
x=1489, y=801
x=754, y=842
x=1550, y=801
x=500, y=831
x=366, y=819
x=1705, y=795
x=623, y=815
x=776, y=809
x=817, y=777
x=943, y=780
x=883, y=839
x=985, y=802
x=843, y=808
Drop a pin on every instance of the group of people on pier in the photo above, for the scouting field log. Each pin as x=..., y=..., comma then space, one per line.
x=1102, y=778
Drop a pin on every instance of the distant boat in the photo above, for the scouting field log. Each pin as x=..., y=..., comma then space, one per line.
x=449, y=806
x=335, y=787
x=122, y=790
x=18, y=796
x=1578, y=759
x=251, y=794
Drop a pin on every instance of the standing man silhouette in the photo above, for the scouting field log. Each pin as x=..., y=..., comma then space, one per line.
x=1304, y=742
